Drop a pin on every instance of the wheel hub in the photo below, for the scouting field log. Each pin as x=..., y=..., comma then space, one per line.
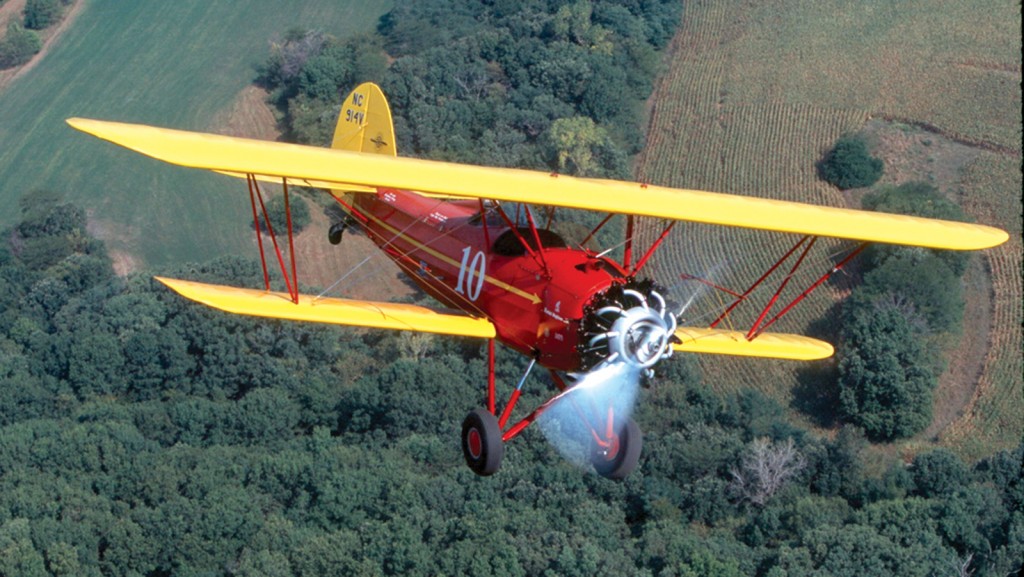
x=475, y=444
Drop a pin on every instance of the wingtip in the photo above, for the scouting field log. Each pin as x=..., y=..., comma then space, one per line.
x=981, y=237
x=1001, y=237
x=86, y=125
x=171, y=283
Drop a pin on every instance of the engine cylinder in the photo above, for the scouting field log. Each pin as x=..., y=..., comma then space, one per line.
x=630, y=323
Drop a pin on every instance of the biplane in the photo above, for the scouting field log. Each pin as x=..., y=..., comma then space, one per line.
x=501, y=275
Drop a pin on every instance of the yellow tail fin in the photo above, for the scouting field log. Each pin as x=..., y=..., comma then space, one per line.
x=364, y=124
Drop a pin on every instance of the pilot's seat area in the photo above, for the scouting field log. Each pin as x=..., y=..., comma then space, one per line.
x=509, y=244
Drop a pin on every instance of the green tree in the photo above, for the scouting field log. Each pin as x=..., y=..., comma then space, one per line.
x=938, y=472
x=669, y=549
x=838, y=469
x=852, y=550
x=44, y=214
x=580, y=147
x=266, y=415
x=40, y=14
x=339, y=66
x=95, y=363
x=18, y=556
x=922, y=286
x=312, y=121
x=18, y=46
x=914, y=198
x=42, y=252
x=155, y=361
x=62, y=560
x=1005, y=470
x=885, y=380
x=309, y=73
x=972, y=520
x=849, y=165
x=50, y=231
x=482, y=83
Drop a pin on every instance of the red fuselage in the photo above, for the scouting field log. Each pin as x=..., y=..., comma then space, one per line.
x=536, y=299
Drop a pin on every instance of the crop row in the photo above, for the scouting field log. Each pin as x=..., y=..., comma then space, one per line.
x=706, y=138
x=748, y=104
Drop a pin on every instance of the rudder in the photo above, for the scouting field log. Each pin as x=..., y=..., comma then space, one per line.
x=364, y=124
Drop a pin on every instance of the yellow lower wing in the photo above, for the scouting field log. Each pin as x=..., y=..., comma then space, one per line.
x=331, y=310
x=767, y=345
x=340, y=168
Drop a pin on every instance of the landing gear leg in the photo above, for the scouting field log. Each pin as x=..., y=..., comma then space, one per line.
x=482, y=444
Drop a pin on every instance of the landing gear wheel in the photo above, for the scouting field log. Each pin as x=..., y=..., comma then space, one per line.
x=619, y=459
x=481, y=442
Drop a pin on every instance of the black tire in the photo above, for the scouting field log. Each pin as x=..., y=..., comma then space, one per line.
x=619, y=464
x=481, y=442
x=335, y=232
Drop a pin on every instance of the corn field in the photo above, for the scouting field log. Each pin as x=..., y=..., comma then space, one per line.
x=751, y=97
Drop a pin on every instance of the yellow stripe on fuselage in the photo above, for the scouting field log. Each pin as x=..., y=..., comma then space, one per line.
x=450, y=261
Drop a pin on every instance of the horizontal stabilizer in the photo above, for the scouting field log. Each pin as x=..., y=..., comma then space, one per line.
x=336, y=169
x=359, y=313
x=766, y=345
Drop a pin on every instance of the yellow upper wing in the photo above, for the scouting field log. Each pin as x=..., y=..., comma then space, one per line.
x=339, y=168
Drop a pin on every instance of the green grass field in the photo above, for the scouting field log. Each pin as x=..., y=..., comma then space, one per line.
x=174, y=64
x=754, y=93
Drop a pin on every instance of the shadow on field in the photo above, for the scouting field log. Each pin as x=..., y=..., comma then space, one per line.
x=816, y=394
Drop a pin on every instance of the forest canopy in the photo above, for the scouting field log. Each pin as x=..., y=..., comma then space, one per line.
x=484, y=83
x=141, y=434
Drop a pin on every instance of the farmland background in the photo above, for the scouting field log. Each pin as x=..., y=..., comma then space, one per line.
x=183, y=64
x=754, y=93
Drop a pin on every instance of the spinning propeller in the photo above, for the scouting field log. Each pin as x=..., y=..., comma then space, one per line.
x=626, y=330
x=620, y=325
x=638, y=335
